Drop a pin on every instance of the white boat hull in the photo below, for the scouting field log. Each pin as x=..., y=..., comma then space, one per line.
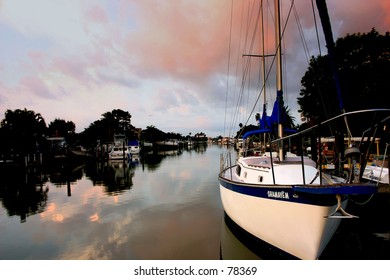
x=117, y=156
x=134, y=150
x=170, y=144
x=118, y=153
x=299, y=229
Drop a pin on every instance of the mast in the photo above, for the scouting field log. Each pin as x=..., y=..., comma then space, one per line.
x=263, y=69
x=327, y=28
x=279, y=84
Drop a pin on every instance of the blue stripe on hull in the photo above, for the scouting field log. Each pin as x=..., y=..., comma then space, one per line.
x=345, y=189
x=282, y=193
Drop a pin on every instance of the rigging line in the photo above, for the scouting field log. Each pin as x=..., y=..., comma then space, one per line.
x=249, y=20
x=302, y=35
x=239, y=97
x=252, y=46
x=308, y=53
x=284, y=63
x=285, y=24
x=238, y=57
x=262, y=81
x=263, y=53
x=239, y=44
x=327, y=28
x=268, y=16
x=255, y=30
x=261, y=91
x=248, y=86
x=252, y=43
x=239, y=100
x=246, y=69
x=228, y=70
x=259, y=95
x=273, y=61
x=315, y=24
x=281, y=41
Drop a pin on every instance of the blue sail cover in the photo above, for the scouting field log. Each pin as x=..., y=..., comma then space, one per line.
x=133, y=143
x=269, y=124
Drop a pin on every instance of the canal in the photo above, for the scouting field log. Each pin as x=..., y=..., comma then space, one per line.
x=161, y=206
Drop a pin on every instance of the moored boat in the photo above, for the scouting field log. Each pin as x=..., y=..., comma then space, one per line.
x=134, y=147
x=119, y=152
x=287, y=203
x=379, y=174
x=168, y=144
x=286, y=199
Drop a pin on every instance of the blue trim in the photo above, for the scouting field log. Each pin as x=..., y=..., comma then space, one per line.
x=343, y=189
x=323, y=196
x=280, y=192
x=132, y=143
x=258, y=131
x=289, y=130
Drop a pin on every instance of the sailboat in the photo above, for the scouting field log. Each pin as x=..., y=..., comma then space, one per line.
x=286, y=199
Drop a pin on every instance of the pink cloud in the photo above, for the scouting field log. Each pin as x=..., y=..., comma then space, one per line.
x=386, y=8
x=35, y=85
x=183, y=39
x=72, y=66
x=95, y=13
x=176, y=51
x=38, y=59
x=350, y=17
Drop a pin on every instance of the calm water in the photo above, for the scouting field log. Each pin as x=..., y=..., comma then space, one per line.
x=163, y=206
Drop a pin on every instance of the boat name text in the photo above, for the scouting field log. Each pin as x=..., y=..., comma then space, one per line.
x=281, y=194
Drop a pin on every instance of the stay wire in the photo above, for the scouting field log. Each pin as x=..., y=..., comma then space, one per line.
x=228, y=66
x=246, y=68
x=273, y=61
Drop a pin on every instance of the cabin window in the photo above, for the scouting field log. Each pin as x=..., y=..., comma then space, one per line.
x=260, y=179
x=238, y=170
x=245, y=174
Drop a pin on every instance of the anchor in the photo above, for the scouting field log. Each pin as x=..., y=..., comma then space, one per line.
x=340, y=210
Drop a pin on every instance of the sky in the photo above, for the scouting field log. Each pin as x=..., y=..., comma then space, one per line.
x=173, y=64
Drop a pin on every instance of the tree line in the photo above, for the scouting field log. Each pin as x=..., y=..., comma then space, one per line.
x=24, y=131
x=362, y=61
